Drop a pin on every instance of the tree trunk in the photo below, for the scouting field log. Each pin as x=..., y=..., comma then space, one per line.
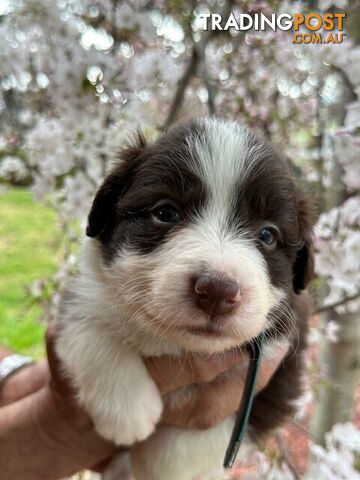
x=335, y=403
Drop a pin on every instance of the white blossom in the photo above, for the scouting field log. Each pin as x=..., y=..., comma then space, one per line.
x=337, y=460
x=332, y=329
x=347, y=151
x=125, y=16
x=325, y=4
x=50, y=148
x=13, y=169
x=352, y=119
x=337, y=240
x=78, y=191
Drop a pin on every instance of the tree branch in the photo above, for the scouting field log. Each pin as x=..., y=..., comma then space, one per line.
x=197, y=55
x=180, y=92
x=209, y=87
x=325, y=308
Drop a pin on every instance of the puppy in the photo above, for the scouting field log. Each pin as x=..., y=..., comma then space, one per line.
x=198, y=242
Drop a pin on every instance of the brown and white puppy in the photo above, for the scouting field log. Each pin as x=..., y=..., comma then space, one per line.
x=198, y=242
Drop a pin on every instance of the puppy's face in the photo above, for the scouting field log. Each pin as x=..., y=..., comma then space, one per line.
x=203, y=236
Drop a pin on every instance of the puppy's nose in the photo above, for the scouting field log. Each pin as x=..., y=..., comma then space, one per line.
x=216, y=294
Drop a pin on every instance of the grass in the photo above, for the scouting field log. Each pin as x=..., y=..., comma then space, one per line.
x=29, y=250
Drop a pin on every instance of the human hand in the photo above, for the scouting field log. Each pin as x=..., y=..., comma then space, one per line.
x=218, y=384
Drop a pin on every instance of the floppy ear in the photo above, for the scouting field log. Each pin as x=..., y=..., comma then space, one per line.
x=303, y=269
x=103, y=210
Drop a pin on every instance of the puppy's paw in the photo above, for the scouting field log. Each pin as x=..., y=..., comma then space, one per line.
x=129, y=424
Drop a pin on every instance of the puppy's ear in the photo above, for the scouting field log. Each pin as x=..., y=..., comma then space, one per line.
x=303, y=269
x=103, y=210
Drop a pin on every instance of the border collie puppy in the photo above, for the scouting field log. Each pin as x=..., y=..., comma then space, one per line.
x=198, y=242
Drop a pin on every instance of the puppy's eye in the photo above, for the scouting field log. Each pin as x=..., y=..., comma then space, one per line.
x=267, y=236
x=166, y=214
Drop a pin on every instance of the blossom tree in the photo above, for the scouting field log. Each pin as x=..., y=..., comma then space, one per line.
x=78, y=76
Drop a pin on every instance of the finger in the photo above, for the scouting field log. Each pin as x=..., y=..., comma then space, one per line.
x=171, y=373
x=211, y=403
x=58, y=380
x=31, y=378
x=53, y=361
x=271, y=363
x=61, y=387
x=24, y=382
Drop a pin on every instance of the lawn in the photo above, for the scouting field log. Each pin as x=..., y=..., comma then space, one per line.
x=29, y=250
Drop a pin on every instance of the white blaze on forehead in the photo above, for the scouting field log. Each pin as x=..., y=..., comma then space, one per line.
x=224, y=157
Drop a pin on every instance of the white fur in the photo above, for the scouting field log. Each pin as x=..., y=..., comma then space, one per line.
x=227, y=154
x=114, y=396
x=139, y=306
x=183, y=454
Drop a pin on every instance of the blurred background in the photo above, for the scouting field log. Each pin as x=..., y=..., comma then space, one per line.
x=77, y=76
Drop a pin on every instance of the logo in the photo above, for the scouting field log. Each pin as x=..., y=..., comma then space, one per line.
x=329, y=22
x=308, y=28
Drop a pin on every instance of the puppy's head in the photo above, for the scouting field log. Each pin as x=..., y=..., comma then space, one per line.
x=203, y=235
